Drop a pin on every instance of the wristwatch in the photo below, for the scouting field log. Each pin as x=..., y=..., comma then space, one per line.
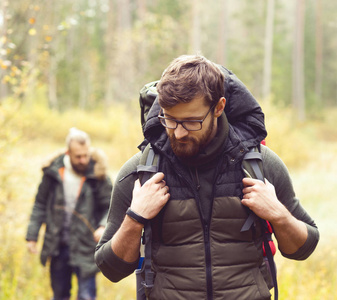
x=136, y=217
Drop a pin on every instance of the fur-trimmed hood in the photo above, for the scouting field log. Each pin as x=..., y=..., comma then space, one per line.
x=98, y=165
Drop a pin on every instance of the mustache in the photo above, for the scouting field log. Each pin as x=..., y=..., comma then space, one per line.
x=182, y=140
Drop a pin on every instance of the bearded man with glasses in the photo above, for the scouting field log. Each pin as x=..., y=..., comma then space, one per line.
x=202, y=124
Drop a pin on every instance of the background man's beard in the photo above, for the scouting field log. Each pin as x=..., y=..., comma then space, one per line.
x=80, y=169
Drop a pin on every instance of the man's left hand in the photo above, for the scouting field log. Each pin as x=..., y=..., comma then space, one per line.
x=98, y=233
x=261, y=198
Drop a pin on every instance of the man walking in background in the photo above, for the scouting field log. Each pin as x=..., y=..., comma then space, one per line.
x=72, y=200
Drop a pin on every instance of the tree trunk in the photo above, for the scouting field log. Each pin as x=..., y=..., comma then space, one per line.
x=298, y=61
x=52, y=84
x=3, y=33
x=141, y=12
x=124, y=63
x=223, y=33
x=196, y=31
x=51, y=70
x=319, y=51
x=109, y=50
x=268, y=50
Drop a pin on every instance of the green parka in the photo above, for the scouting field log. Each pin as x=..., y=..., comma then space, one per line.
x=90, y=212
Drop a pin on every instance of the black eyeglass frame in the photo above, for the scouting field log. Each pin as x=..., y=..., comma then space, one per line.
x=162, y=120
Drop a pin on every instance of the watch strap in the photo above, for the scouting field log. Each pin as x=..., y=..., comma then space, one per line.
x=136, y=217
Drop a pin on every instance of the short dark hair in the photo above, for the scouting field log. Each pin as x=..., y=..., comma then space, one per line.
x=188, y=77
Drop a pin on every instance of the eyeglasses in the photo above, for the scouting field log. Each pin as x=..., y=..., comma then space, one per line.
x=190, y=125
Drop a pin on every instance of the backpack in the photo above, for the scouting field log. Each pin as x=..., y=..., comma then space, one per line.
x=252, y=166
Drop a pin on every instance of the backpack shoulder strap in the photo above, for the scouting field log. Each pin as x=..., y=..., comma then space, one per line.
x=252, y=166
x=148, y=166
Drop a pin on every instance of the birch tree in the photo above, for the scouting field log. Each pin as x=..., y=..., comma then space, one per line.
x=223, y=33
x=268, y=50
x=319, y=51
x=298, y=61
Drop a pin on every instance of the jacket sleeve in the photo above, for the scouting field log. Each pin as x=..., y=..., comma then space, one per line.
x=111, y=265
x=103, y=199
x=38, y=215
x=276, y=172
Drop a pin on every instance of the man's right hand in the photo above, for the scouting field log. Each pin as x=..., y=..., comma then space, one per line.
x=149, y=199
x=31, y=245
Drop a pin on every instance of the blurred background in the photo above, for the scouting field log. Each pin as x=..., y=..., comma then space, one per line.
x=82, y=63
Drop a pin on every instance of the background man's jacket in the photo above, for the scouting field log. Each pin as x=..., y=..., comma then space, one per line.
x=90, y=211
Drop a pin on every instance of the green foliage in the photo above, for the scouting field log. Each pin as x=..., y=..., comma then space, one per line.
x=155, y=34
x=282, y=59
x=249, y=49
x=87, y=56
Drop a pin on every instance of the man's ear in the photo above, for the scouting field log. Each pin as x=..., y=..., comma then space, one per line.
x=220, y=107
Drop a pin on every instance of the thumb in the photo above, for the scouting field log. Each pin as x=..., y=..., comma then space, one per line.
x=267, y=182
x=137, y=184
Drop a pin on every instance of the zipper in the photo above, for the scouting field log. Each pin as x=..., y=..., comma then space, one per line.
x=207, y=244
x=208, y=263
x=205, y=225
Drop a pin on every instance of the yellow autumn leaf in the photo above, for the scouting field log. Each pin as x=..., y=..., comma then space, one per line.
x=5, y=64
x=32, y=31
x=6, y=79
x=31, y=21
x=48, y=38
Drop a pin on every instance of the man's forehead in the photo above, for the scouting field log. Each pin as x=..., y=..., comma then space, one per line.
x=194, y=109
x=78, y=147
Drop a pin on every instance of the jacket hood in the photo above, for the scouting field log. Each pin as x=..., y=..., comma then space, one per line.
x=242, y=111
x=98, y=166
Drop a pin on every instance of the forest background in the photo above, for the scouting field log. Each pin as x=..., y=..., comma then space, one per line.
x=82, y=63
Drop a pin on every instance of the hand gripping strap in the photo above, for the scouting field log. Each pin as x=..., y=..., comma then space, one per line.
x=252, y=169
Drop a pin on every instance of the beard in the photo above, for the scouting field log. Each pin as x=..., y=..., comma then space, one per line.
x=79, y=168
x=190, y=146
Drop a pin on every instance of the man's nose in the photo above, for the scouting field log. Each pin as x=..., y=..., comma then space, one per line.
x=83, y=160
x=180, y=132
